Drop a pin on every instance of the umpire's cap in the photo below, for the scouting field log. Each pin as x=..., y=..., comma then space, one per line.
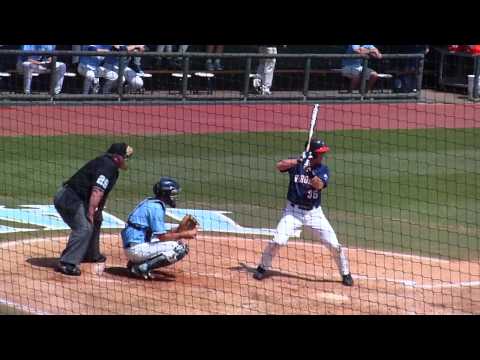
x=121, y=149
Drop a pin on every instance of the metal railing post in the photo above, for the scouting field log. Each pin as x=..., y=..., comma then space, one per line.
x=246, y=78
x=421, y=64
x=440, y=69
x=363, y=81
x=186, y=65
x=301, y=93
x=306, y=80
x=53, y=67
x=475, y=78
x=121, y=71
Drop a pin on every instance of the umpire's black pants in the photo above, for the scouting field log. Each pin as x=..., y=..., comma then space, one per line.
x=84, y=240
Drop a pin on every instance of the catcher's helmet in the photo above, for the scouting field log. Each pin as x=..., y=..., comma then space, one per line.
x=318, y=146
x=167, y=189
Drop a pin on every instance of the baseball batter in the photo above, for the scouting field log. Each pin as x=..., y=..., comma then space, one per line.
x=146, y=243
x=303, y=209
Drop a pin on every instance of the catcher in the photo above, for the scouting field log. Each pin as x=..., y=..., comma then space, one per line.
x=147, y=244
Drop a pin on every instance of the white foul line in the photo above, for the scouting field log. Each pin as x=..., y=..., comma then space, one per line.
x=414, y=284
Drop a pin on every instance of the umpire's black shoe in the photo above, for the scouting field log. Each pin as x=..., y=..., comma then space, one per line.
x=99, y=259
x=260, y=273
x=68, y=269
x=347, y=280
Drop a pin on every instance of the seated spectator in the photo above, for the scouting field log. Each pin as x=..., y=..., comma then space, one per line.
x=41, y=64
x=91, y=68
x=172, y=63
x=217, y=64
x=136, y=64
x=112, y=63
x=469, y=49
x=406, y=81
x=266, y=66
x=352, y=68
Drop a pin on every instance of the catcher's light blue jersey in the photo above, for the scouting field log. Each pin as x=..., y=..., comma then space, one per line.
x=300, y=191
x=148, y=216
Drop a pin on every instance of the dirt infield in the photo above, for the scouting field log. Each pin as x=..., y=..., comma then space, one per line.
x=215, y=278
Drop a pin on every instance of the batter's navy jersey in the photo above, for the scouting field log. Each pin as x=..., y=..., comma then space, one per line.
x=147, y=219
x=300, y=192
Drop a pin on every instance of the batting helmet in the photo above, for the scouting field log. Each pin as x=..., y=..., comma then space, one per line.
x=167, y=190
x=318, y=146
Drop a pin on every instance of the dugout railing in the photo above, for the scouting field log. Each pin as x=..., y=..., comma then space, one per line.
x=238, y=87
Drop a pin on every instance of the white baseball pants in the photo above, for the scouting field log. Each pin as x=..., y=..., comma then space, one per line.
x=292, y=220
x=93, y=74
x=266, y=67
x=135, y=81
x=27, y=69
x=146, y=251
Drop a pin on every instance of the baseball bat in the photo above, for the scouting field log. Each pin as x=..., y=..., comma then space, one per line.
x=313, y=122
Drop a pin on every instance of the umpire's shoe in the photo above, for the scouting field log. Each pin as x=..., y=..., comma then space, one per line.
x=260, y=273
x=68, y=269
x=347, y=280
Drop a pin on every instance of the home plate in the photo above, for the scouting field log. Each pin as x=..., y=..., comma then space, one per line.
x=332, y=297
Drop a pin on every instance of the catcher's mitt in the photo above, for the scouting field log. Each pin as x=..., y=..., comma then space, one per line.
x=188, y=223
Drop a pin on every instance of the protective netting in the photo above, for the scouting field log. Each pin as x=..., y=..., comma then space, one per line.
x=402, y=199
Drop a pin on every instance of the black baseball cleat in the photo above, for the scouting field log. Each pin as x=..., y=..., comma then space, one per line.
x=260, y=273
x=347, y=280
x=68, y=269
x=99, y=259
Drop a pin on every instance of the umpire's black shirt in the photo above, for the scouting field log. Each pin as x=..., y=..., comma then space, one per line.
x=100, y=172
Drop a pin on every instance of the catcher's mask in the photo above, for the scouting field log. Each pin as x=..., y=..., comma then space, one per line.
x=318, y=147
x=120, y=153
x=167, y=190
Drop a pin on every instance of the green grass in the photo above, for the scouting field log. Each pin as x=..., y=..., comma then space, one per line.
x=412, y=191
x=9, y=310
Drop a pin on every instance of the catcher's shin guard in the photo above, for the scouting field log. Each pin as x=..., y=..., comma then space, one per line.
x=162, y=260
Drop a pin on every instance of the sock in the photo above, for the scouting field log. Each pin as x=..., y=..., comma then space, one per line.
x=268, y=254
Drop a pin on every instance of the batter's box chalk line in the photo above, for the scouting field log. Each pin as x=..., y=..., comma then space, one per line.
x=413, y=283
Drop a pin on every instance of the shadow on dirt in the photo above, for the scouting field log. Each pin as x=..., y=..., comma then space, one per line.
x=45, y=262
x=123, y=272
x=274, y=273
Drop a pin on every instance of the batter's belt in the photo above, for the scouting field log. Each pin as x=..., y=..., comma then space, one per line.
x=303, y=207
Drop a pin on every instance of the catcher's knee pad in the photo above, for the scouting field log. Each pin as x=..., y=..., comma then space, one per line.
x=181, y=250
x=178, y=253
x=158, y=262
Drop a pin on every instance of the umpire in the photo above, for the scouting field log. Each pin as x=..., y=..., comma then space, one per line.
x=80, y=203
